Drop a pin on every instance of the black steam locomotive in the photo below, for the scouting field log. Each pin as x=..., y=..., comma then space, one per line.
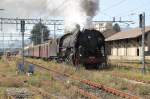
x=85, y=47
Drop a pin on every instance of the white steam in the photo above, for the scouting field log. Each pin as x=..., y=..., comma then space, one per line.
x=23, y=8
x=73, y=11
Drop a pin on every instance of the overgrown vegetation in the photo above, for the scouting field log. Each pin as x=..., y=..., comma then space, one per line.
x=41, y=83
x=105, y=77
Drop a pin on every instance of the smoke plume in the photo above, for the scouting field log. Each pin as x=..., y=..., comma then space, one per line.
x=74, y=12
x=23, y=8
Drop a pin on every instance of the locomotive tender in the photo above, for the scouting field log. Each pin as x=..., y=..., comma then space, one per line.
x=85, y=47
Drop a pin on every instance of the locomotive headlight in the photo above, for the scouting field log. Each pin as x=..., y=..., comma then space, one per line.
x=89, y=37
x=80, y=55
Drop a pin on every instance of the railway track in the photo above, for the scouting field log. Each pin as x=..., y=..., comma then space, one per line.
x=62, y=80
x=92, y=85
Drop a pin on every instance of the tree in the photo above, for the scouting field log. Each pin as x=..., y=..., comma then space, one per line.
x=116, y=27
x=37, y=32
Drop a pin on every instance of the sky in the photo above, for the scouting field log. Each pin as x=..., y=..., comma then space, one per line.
x=127, y=9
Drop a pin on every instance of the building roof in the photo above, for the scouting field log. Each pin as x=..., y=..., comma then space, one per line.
x=109, y=32
x=133, y=33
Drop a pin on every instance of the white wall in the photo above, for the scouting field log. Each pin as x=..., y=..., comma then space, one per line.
x=121, y=51
x=129, y=53
x=127, y=49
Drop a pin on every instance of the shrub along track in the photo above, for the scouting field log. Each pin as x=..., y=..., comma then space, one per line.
x=129, y=78
x=87, y=84
x=131, y=66
x=62, y=78
x=124, y=76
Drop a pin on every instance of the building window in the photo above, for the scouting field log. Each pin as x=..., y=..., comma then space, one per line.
x=138, y=52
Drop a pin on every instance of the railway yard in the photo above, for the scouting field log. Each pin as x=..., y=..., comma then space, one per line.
x=74, y=49
x=55, y=80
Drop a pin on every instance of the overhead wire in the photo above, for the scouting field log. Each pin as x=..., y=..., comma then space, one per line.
x=114, y=5
x=58, y=7
x=106, y=14
x=134, y=11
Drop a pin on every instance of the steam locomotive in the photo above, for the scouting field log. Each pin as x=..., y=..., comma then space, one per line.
x=85, y=47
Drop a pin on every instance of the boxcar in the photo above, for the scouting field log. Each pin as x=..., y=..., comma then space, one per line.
x=36, y=50
x=44, y=50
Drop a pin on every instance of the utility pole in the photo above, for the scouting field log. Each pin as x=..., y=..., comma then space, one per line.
x=54, y=31
x=3, y=33
x=41, y=31
x=22, y=31
x=42, y=36
x=114, y=19
x=142, y=26
x=3, y=45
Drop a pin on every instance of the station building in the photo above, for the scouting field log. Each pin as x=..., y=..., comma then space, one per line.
x=126, y=45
